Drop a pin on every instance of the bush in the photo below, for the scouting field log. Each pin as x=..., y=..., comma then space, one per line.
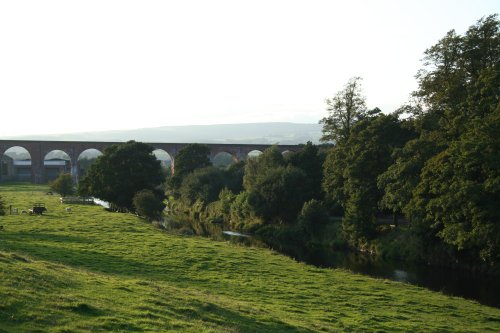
x=202, y=185
x=148, y=204
x=241, y=211
x=279, y=194
x=313, y=215
x=63, y=185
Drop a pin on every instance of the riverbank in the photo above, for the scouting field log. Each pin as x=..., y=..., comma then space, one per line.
x=93, y=270
x=324, y=249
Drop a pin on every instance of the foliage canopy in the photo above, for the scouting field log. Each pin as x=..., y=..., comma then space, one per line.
x=191, y=157
x=344, y=109
x=121, y=172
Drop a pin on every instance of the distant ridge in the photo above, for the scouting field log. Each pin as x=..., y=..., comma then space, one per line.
x=254, y=133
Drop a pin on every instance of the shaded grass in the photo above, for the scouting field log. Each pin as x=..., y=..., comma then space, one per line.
x=93, y=270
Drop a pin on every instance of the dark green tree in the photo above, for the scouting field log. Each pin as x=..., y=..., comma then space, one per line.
x=310, y=160
x=234, y=176
x=399, y=180
x=84, y=163
x=191, y=157
x=257, y=167
x=459, y=191
x=148, y=204
x=351, y=171
x=63, y=184
x=344, y=109
x=121, y=172
x=313, y=215
x=202, y=184
x=279, y=194
x=442, y=179
x=333, y=176
x=460, y=80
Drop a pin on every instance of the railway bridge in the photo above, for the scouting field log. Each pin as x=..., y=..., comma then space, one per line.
x=41, y=161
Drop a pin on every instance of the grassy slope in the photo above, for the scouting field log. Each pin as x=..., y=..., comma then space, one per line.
x=97, y=271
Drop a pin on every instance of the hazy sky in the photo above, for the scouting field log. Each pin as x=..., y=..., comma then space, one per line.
x=70, y=66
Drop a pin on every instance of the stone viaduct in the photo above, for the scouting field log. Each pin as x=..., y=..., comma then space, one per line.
x=38, y=150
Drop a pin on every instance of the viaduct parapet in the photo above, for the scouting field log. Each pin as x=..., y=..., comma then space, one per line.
x=38, y=151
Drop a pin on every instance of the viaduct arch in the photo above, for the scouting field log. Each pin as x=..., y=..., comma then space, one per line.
x=39, y=149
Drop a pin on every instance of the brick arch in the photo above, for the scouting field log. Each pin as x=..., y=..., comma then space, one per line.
x=214, y=154
x=51, y=171
x=45, y=153
x=76, y=170
x=38, y=150
x=3, y=150
x=80, y=148
x=78, y=154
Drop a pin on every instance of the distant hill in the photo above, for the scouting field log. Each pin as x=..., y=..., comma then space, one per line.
x=255, y=133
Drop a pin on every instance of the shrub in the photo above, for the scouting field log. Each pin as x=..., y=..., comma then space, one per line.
x=203, y=185
x=2, y=207
x=240, y=210
x=148, y=204
x=63, y=184
x=313, y=215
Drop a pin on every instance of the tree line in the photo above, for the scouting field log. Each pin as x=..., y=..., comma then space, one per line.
x=433, y=163
x=432, y=166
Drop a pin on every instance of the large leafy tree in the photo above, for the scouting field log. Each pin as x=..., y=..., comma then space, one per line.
x=203, y=184
x=351, y=171
x=121, y=172
x=344, y=110
x=278, y=186
x=460, y=80
x=191, y=157
x=258, y=167
x=234, y=176
x=310, y=160
x=279, y=194
x=444, y=180
x=400, y=179
x=459, y=191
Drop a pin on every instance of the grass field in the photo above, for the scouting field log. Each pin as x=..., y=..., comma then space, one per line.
x=96, y=271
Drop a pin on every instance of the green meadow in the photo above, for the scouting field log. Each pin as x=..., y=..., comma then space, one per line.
x=96, y=271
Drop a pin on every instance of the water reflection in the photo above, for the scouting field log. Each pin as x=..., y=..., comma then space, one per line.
x=484, y=289
x=101, y=203
x=233, y=233
x=400, y=275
